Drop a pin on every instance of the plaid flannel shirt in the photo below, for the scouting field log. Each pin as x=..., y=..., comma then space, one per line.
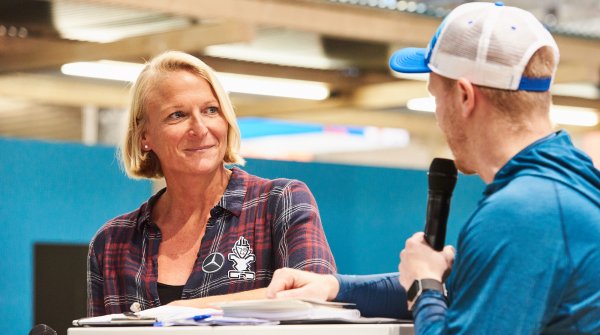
x=258, y=226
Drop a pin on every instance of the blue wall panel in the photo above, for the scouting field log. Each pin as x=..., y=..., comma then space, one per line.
x=369, y=212
x=51, y=192
x=62, y=193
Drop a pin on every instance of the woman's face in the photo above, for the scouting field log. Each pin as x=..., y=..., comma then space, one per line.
x=186, y=128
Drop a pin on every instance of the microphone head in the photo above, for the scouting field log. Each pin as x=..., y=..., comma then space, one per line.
x=42, y=329
x=442, y=175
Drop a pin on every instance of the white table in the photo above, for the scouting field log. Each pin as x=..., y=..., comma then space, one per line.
x=322, y=329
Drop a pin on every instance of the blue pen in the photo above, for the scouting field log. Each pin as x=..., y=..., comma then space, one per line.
x=175, y=322
x=200, y=317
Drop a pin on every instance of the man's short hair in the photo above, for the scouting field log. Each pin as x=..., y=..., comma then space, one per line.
x=516, y=105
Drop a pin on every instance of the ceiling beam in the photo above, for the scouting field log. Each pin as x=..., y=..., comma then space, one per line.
x=339, y=81
x=63, y=91
x=329, y=19
x=27, y=54
x=576, y=62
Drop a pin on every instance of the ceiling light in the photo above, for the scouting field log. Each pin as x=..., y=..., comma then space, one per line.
x=232, y=82
x=579, y=90
x=567, y=115
x=277, y=87
x=104, y=69
x=421, y=104
x=575, y=116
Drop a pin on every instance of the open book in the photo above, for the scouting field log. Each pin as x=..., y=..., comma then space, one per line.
x=289, y=310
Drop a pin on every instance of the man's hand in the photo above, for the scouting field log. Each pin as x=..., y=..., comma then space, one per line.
x=291, y=283
x=419, y=261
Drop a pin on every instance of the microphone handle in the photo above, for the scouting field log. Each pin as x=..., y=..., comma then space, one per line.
x=438, y=208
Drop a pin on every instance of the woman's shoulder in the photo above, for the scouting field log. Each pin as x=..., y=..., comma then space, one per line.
x=122, y=224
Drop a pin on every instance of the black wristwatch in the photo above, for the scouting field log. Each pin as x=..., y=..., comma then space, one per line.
x=420, y=285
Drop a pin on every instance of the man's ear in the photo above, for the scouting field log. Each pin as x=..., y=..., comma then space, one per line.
x=466, y=92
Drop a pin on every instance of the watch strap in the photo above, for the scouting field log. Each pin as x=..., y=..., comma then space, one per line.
x=420, y=285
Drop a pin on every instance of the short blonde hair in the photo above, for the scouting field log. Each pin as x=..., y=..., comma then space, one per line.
x=139, y=164
x=516, y=105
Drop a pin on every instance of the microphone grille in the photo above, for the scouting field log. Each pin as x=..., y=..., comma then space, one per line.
x=442, y=175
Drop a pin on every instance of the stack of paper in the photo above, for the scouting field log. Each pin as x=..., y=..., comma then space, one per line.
x=289, y=310
x=150, y=316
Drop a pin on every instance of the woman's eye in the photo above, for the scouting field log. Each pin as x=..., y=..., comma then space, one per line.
x=176, y=115
x=212, y=110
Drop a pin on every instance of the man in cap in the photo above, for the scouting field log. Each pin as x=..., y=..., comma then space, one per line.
x=528, y=259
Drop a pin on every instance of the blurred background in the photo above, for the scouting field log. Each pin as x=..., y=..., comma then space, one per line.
x=56, y=56
x=315, y=101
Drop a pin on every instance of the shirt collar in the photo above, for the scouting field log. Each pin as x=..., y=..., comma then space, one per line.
x=145, y=217
x=233, y=198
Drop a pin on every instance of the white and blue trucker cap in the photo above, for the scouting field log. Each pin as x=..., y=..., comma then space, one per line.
x=487, y=43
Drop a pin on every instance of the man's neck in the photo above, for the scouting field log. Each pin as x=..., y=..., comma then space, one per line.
x=500, y=142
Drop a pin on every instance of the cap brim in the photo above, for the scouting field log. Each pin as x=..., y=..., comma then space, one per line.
x=409, y=60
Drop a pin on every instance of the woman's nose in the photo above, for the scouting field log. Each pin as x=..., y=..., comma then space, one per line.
x=197, y=126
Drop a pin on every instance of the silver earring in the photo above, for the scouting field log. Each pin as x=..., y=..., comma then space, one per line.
x=145, y=146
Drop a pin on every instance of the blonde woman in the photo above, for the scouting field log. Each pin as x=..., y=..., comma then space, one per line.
x=214, y=233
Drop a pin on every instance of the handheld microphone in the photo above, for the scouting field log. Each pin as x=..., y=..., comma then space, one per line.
x=42, y=329
x=442, y=179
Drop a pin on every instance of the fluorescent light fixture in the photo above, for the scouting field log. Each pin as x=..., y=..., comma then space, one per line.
x=567, y=115
x=579, y=90
x=421, y=104
x=245, y=52
x=232, y=82
x=276, y=87
x=104, y=69
x=575, y=116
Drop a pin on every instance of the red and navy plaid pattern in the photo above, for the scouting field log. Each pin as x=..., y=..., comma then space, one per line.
x=279, y=219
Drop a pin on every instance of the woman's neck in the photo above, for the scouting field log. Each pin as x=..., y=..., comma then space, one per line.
x=186, y=198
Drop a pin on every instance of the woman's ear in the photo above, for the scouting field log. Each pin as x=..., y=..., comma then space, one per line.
x=466, y=92
x=145, y=142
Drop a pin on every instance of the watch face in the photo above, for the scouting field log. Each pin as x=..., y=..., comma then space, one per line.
x=420, y=285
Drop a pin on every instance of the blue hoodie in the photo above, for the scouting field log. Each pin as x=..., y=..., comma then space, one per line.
x=528, y=259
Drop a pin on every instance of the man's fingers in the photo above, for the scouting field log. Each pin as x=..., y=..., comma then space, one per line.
x=297, y=293
x=449, y=254
x=282, y=279
x=449, y=251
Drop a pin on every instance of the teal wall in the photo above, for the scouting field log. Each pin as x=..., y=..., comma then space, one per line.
x=62, y=193
x=369, y=212
x=58, y=193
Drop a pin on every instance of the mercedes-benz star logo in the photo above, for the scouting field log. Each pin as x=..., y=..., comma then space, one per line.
x=213, y=262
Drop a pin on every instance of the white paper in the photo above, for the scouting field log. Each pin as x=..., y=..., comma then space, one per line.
x=287, y=310
x=149, y=316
